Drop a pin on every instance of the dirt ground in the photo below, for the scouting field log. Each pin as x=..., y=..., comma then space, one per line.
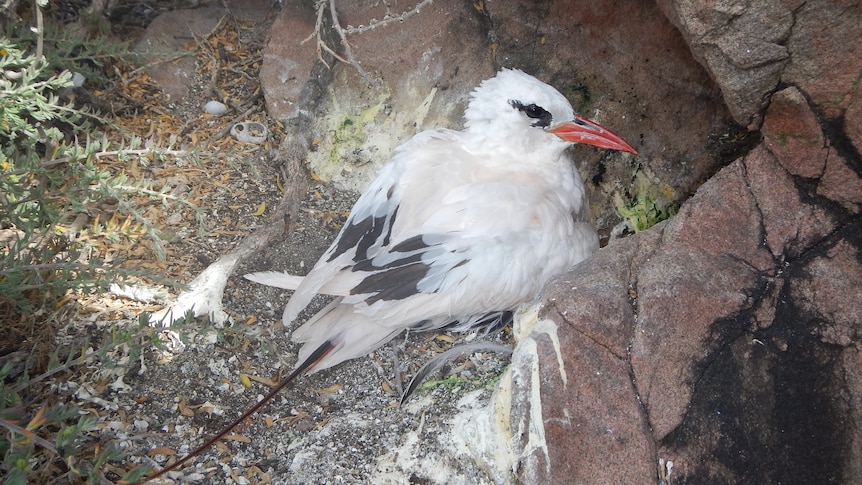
x=339, y=426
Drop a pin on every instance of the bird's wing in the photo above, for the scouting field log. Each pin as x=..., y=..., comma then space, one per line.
x=437, y=224
x=378, y=252
x=365, y=232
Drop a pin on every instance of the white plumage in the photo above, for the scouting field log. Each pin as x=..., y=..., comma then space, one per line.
x=457, y=227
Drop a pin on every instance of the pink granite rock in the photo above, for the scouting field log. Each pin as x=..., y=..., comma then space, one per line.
x=790, y=225
x=792, y=134
x=287, y=62
x=751, y=48
x=744, y=350
x=741, y=345
x=165, y=38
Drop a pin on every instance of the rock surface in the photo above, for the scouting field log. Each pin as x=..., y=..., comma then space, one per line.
x=727, y=340
x=164, y=43
x=733, y=330
x=753, y=49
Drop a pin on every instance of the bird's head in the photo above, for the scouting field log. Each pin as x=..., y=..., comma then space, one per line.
x=517, y=107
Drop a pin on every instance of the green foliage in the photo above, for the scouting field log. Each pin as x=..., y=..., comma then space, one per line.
x=84, y=48
x=48, y=175
x=52, y=177
x=649, y=204
x=45, y=176
x=31, y=143
x=57, y=432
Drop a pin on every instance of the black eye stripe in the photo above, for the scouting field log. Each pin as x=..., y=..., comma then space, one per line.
x=541, y=115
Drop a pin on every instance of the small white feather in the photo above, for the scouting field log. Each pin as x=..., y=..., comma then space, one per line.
x=277, y=279
x=288, y=281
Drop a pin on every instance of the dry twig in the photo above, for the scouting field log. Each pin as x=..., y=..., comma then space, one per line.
x=347, y=51
x=348, y=57
x=388, y=19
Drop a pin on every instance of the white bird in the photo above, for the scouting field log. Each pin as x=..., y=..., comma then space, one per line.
x=459, y=227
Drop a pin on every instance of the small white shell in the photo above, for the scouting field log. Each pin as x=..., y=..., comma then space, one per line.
x=215, y=108
x=249, y=132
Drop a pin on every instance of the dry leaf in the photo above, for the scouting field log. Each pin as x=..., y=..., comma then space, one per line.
x=263, y=380
x=237, y=437
x=185, y=410
x=330, y=390
x=445, y=338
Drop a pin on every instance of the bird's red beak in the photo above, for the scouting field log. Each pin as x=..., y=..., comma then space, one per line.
x=582, y=130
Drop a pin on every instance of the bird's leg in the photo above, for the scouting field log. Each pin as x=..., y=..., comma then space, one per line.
x=396, y=370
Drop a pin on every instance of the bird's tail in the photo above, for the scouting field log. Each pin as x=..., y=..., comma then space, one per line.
x=351, y=334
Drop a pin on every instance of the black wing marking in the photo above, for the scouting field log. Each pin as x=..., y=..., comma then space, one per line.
x=415, y=243
x=363, y=234
x=399, y=270
x=392, y=284
x=397, y=279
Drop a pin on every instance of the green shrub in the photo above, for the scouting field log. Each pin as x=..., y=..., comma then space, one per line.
x=51, y=182
x=49, y=176
x=44, y=177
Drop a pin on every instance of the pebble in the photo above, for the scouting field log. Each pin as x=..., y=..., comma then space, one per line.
x=215, y=108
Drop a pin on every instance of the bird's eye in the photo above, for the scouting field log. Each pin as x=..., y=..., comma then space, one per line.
x=535, y=112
